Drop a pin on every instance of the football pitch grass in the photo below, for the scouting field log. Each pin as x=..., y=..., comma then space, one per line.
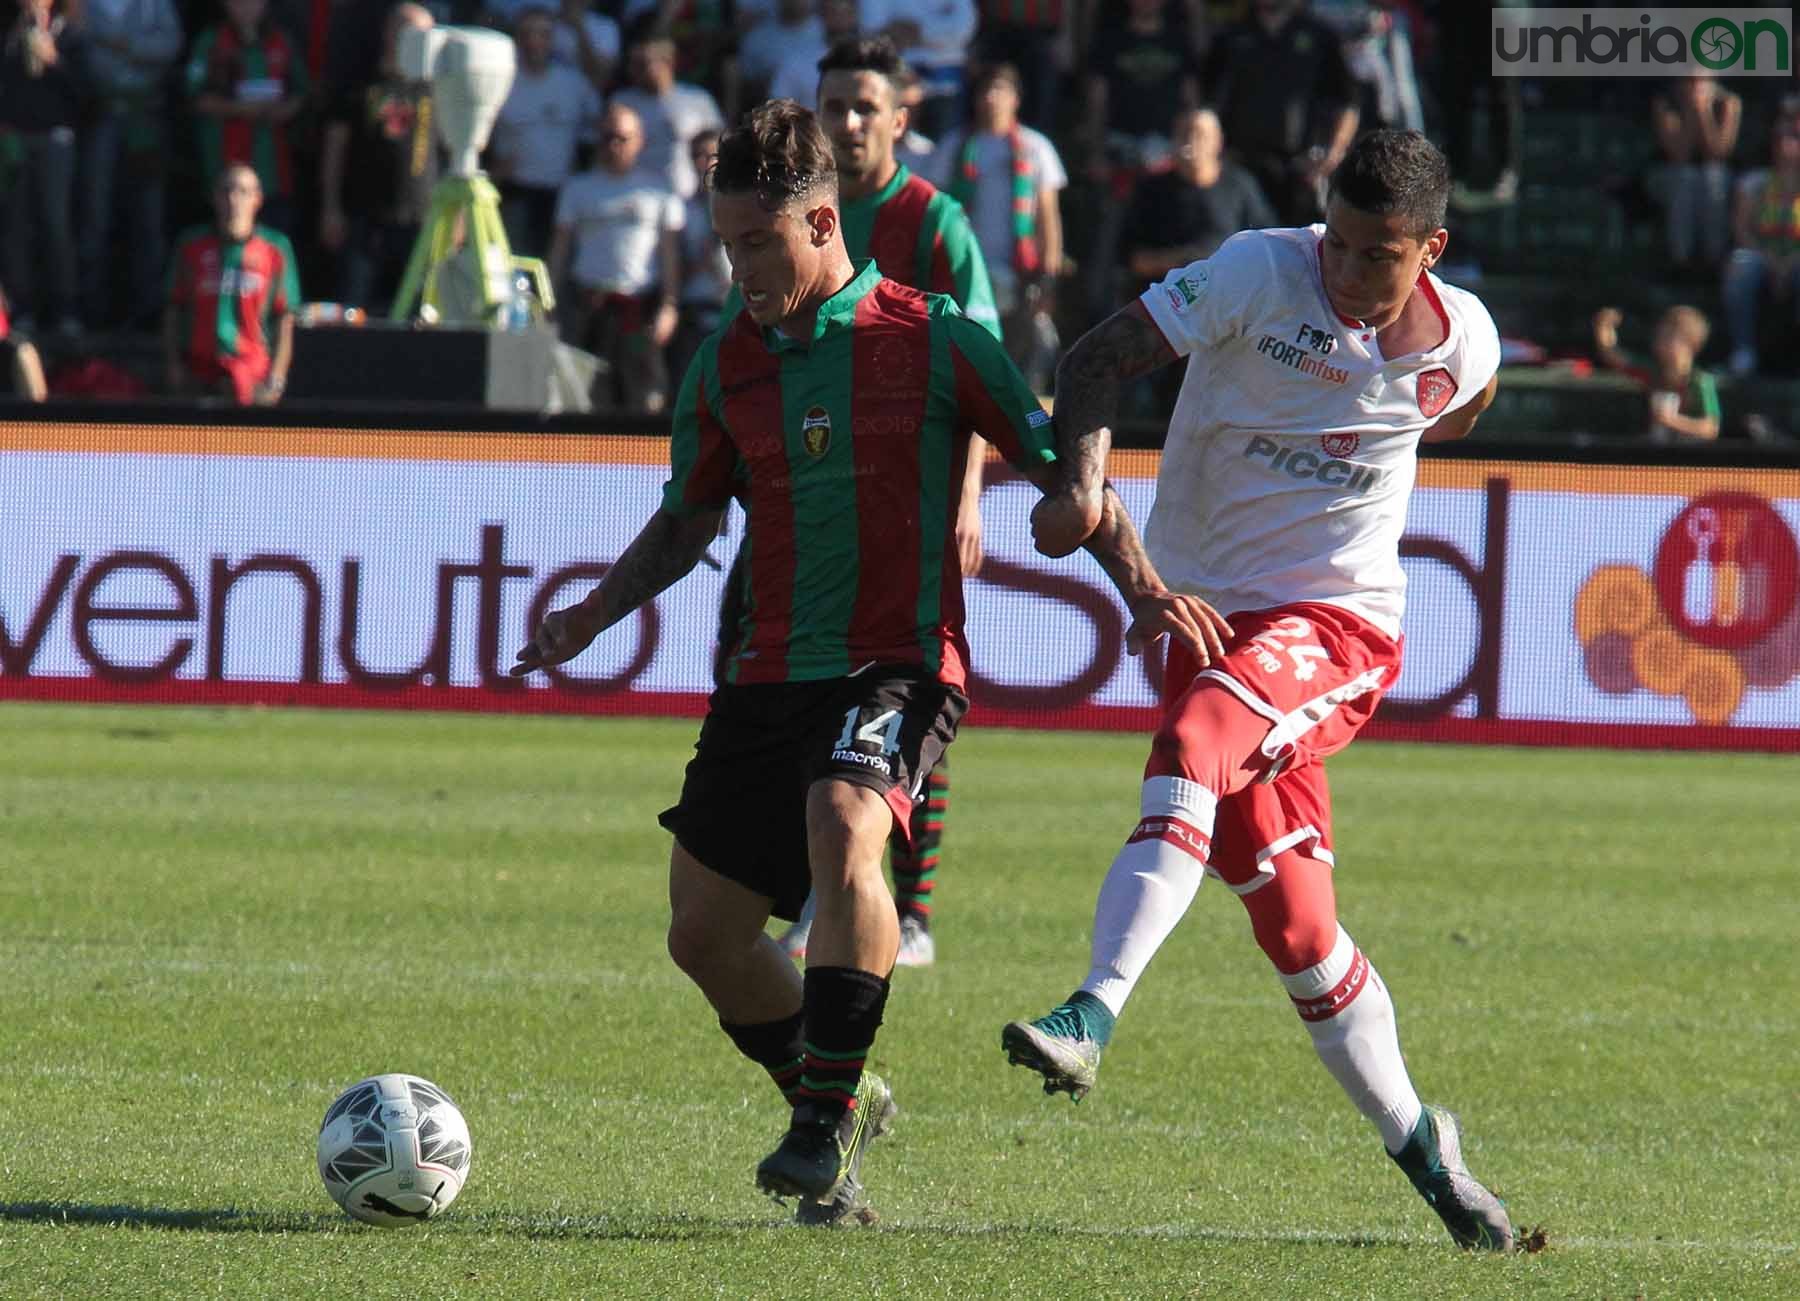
x=212, y=921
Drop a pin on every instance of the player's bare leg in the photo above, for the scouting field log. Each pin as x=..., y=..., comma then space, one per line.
x=839, y=1107
x=716, y=937
x=855, y=925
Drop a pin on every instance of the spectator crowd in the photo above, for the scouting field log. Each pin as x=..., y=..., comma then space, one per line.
x=1094, y=145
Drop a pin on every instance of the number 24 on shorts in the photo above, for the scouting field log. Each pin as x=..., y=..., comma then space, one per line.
x=1281, y=636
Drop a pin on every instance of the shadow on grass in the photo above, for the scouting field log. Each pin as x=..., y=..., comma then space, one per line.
x=636, y=1228
x=162, y=1217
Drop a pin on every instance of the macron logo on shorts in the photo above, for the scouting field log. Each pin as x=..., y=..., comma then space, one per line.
x=875, y=761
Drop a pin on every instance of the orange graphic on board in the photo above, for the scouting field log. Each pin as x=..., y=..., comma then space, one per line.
x=1716, y=613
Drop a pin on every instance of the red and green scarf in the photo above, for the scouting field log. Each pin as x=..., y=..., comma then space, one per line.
x=1028, y=254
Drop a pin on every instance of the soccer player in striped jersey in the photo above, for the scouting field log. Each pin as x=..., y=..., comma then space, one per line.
x=836, y=407
x=233, y=291
x=1319, y=359
x=918, y=236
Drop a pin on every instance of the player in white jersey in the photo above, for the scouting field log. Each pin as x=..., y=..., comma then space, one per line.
x=1318, y=360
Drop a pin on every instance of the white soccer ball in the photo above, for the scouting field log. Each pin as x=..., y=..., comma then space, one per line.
x=394, y=1150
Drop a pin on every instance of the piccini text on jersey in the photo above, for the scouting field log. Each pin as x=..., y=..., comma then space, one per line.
x=1299, y=463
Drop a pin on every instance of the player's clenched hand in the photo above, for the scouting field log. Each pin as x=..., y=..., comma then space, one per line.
x=1186, y=619
x=562, y=635
x=1063, y=520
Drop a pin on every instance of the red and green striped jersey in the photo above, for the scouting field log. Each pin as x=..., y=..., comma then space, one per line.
x=847, y=452
x=920, y=236
x=269, y=71
x=230, y=292
x=1046, y=15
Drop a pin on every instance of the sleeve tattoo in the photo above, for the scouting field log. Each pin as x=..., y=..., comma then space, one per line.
x=1125, y=345
x=665, y=550
x=1119, y=551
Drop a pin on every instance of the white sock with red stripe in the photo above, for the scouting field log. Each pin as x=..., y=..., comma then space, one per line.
x=1150, y=885
x=1351, y=1019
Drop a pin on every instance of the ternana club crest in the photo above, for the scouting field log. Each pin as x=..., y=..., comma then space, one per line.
x=1436, y=388
x=815, y=432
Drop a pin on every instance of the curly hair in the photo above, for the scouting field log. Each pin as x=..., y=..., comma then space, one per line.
x=1389, y=172
x=777, y=152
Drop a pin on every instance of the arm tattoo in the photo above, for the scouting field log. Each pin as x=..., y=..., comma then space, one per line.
x=1120, y=552
x=1122, y=347
x=664, y=550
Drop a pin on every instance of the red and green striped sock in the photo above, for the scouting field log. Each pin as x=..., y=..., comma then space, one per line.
x=915, y=867
x=843, y=1011
x=776, y=1046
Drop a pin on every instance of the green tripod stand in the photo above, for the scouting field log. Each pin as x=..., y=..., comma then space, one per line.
x=463, y=228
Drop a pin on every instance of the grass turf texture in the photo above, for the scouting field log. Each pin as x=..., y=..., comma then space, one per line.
x=212, y=921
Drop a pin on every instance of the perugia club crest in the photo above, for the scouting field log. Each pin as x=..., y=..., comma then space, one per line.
x=1340, y=445
x=815, y=432
x=1436, y=388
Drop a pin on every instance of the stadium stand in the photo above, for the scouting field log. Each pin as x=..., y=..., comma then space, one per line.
x=1575, y=229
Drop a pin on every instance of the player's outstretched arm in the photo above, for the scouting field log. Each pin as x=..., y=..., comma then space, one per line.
x=1125, y=345
x=664, y=551
x=1156, y=612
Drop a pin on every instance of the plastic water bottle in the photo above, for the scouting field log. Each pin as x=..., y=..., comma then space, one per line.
x=518, y=312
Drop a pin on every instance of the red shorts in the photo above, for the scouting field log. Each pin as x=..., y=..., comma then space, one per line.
x=1314, y=673
x=240, y=374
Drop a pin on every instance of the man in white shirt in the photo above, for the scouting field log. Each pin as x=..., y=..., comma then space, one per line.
x=705, y=270
x=1319, y=358
x=933, y=37
x=672, y=112
x=550, y=110
x=796, y=76
x=581, y=39
x=586, y=41
x=616, y=263
x=794, y=25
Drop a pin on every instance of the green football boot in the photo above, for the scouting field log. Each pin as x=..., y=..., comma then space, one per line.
x=1433, y=1160
x=1063, y=1045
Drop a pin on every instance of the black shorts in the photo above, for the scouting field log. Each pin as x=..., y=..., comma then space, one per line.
x=743, y=803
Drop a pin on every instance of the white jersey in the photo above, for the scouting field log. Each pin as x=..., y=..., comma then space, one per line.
x=1293, y=446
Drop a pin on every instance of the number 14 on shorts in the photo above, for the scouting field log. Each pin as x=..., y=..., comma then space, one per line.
x=882, y=730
